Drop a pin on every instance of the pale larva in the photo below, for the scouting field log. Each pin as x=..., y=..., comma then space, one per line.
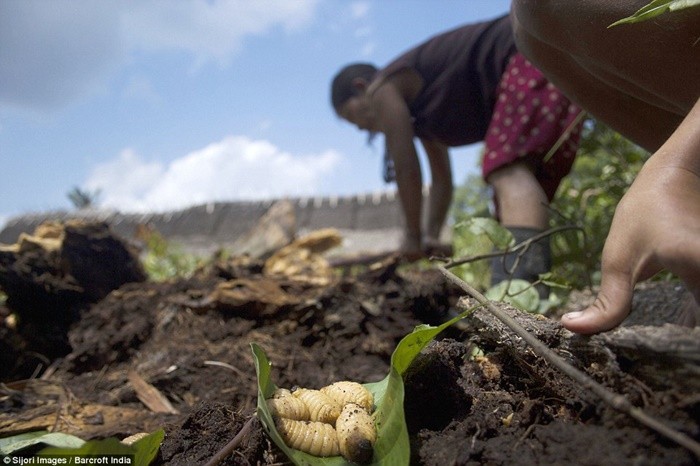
x=289, y=407
x=315, y=438
x=322, y=408
x=356, y=434
x=345, y=392
x=280, y=393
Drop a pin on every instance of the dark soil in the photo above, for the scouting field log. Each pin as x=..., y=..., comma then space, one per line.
x=191, y=341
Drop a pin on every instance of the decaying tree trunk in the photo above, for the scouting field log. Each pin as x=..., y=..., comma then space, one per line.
x=48, y=277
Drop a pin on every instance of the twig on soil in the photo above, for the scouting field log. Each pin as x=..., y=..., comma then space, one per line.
x=527, y=432
x=362, y=259
x=230, y=446
x=614, y=400
x=226, y=365
x=522, y=245
x=474, y=437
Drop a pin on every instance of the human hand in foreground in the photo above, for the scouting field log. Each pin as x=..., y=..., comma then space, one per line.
x=656, y=226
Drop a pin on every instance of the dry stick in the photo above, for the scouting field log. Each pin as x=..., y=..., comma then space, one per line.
x=565, y=135
x=517, y=247
x=228, y=449
x=618, y=402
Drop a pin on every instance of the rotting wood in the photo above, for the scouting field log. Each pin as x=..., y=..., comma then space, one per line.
x=150, y=395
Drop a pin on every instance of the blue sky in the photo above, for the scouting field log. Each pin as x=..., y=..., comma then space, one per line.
x=165, y=104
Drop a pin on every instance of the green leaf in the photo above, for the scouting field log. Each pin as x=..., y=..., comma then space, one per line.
x=655, y=8
x=392, y=447
x=265, y=389
x=147, y=447
x=499, y=236
x=19, y=442
x=519, y=293
x=106, y=447
x=143, y=451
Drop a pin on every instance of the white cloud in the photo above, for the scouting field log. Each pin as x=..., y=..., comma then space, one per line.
x=210, y=30
x=54, y=52
x=124, y=181
x=359, y=9
x=359, y=12
x=234, y=168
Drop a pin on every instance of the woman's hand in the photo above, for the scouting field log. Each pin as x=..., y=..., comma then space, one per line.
x=656, y=226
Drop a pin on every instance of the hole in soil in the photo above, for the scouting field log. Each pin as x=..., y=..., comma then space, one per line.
x=433, y=398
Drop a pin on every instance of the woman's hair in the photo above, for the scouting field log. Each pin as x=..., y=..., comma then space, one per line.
x=342, y=88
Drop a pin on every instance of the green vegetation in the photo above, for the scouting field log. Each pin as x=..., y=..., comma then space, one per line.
x=606, y=165
x=163, y=260
x=57, y=444
x=655, y=8
x=471, y=201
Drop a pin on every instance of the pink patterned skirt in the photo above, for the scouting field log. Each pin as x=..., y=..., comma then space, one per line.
x=529, y=118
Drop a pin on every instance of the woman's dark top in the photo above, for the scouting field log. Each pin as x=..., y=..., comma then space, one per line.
x=461, y=70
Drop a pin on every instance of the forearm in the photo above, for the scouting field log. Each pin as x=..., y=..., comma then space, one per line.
x=441, y=188
x=394, y=120
x=682, y=149
x=410, y=183
x=439, y=204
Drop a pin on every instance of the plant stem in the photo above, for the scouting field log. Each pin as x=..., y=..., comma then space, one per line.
x=523, y=245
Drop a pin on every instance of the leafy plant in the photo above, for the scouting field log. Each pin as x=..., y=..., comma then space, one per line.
x=162, y=260
x=15, y=443
x=605, y=167
x=518, y=293
x=470, y=201
x=392, y=447
x=60, y=444
x=655, y=8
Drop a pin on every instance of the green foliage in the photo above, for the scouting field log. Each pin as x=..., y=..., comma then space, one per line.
x=392, y=447
x=59, y=444
x=471, y=201
x=162, y=260
x=516, y=292
x=9, y=445
x=655, y=8
x=605, y=167
x=498, y=236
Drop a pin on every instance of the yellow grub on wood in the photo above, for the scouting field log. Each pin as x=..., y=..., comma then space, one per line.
x=322, y=408
x=315, y=438
x=356, y=434
x=345, y=392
